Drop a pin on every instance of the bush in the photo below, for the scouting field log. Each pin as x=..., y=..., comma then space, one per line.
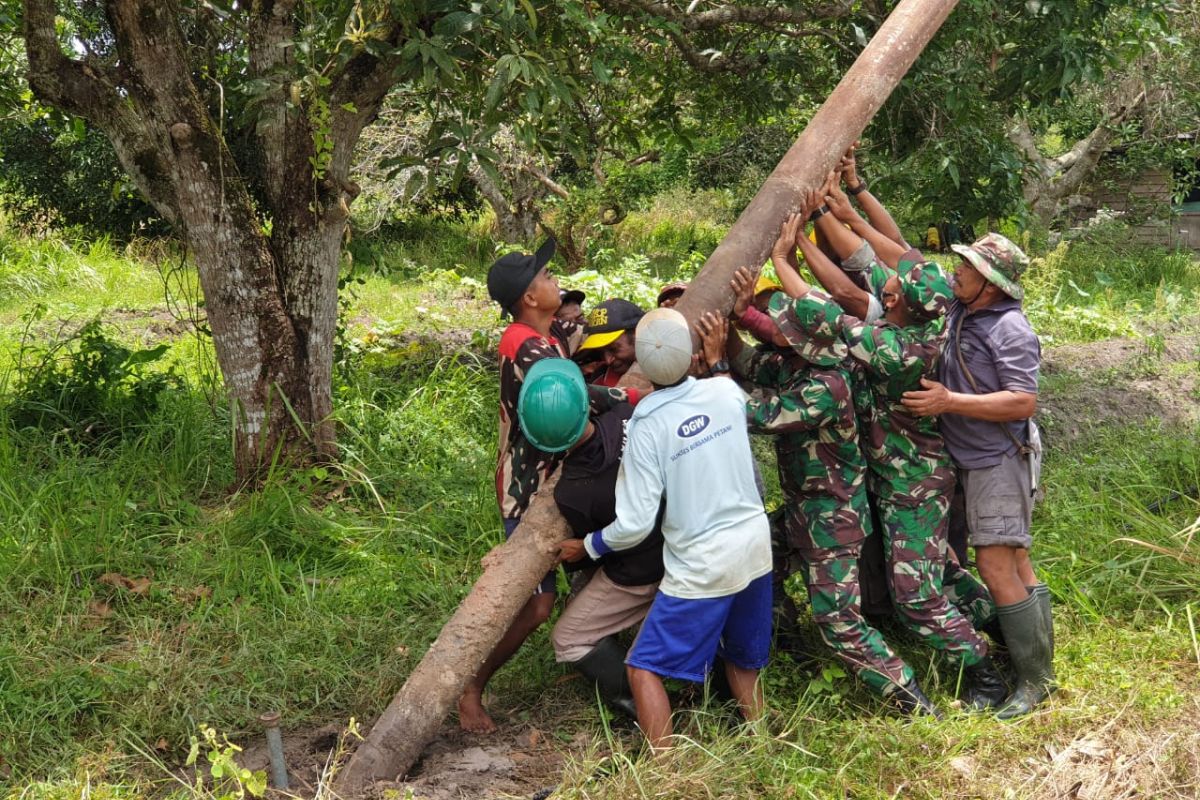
x=677, y=223
x=87, y=386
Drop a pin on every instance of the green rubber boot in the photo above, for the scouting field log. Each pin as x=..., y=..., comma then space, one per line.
x=605, y=665
x=1029, y=647
x=1042, y=592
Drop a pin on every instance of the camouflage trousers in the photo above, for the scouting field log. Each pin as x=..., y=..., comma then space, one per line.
x=831, y=576
x=915, y=544
x=968, y=595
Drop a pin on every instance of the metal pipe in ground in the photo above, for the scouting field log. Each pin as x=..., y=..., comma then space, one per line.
x=279, y=773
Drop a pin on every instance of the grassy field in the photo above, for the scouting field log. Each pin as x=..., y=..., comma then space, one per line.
x=140, y=599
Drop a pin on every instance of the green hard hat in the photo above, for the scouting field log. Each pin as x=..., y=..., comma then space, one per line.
x=553, y=404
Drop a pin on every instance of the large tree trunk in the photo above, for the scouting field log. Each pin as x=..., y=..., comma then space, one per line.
x=271, y=299
x=1049, y=183
x=416, y=712
x=516, y=216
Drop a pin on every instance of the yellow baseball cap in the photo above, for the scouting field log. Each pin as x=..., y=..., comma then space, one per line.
x=607, y=321
x=765, y=283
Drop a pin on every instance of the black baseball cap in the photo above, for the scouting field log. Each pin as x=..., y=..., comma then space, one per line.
x=511, y=274
x=608, y=320
x=572, y=296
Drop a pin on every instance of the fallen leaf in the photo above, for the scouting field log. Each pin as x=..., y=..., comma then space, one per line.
x=119, y=581
x=99, y=608
x=1091, y=748
x=161, y=744
x=115, y=580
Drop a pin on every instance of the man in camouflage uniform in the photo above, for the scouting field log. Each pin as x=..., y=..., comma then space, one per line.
x=803, y=396
x=863, y=297
x=985, y=399
x=909, y=470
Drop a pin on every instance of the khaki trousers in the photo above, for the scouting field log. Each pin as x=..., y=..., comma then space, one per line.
x=600, y=610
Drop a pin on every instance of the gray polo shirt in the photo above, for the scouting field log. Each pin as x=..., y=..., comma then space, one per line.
x=1003, y=353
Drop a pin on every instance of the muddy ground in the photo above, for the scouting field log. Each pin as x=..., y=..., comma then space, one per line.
x=517, y=761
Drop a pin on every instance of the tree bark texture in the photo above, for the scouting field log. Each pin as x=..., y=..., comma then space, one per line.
x=416, y=712
x=270, y=298
x=516, y=210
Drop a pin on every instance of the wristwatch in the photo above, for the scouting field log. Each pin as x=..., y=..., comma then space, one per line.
x=720, y=366
x=857, y=190
x=818, y=213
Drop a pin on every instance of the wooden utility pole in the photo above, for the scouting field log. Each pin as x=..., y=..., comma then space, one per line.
x=415, y=714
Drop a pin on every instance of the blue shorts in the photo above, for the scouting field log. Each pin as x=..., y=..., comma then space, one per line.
x=549, y=584
x=680, y=638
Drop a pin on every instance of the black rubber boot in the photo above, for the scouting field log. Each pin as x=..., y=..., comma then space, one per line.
x=606, y=666
x=986, y=688
x=913, y=702
x=1030, y=648
x=995, y=632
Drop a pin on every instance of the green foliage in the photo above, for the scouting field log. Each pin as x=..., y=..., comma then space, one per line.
x=235, y=780
x=945, y=128
x=66, y=173
x=675, y=223
x=1102, y=287
x=87, y=386
x=318, y=594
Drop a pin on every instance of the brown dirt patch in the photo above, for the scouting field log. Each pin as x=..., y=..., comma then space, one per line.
x=517, y=761
x=1117, y=381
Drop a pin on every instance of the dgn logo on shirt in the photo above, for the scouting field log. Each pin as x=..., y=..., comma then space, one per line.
x=693, y=425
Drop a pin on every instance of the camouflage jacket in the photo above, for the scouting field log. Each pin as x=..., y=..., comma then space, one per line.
x=906, y=455
x=810, y=409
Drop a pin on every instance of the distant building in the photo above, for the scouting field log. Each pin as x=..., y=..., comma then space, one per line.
x=1145, y=200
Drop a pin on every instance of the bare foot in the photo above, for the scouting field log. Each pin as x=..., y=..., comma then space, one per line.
x=471, y=716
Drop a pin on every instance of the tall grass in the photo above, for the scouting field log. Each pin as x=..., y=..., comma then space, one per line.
x=297, y=597
x=72, y=272
x=1084, y=292
x=139, y=598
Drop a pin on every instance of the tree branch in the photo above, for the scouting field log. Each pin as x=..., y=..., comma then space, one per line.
x=650, y=156
x=722, y=16
x=547, y=181
x=77, y=87
x=284, y=135
x=766, y=17
x=356, y=94
x=1021, y=135
x=1088, y=152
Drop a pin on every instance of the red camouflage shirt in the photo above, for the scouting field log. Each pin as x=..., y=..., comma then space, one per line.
x=521, y=467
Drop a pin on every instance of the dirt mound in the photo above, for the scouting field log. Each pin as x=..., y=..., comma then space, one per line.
x=1087, y=386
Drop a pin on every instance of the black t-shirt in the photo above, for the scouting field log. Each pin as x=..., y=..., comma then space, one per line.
x=586, y=497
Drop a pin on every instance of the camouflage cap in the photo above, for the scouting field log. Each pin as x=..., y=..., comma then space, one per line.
x=810, y=325
x=925, y=290
x=998, y=260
